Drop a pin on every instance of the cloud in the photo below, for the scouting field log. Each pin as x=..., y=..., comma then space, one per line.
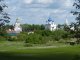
x=38, y=1
x=45, y=1
x=68, y=3
x=38, y=11
x=28, y=1
x=43, y=14
x=54, y=4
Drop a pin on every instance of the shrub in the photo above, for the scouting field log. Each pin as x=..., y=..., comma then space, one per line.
x=43, y=32
x=35, y=39
x=21, y=37
x=60, y=34
x=28, y=45
x=72, y=43
x=2, y=38
x=12, y=38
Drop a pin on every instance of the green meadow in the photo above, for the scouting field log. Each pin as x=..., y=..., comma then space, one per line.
x=17, y=51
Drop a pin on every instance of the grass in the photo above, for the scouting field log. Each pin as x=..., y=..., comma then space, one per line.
x=17, y=51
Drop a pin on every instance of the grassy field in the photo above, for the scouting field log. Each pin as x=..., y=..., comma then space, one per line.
x=17, y=51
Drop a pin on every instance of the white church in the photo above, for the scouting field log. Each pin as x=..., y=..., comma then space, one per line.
x=50, y=25
x=17, y=28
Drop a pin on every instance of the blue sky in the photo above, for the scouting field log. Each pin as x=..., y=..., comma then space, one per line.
x=38, y=11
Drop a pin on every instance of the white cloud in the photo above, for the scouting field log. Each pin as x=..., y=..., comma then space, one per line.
x=45, y=1
x=38, y=1
x=28, y=1
x=67, y=3
x=39, y=10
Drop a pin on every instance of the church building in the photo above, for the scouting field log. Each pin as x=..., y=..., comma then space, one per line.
x=50, y=25
x=17, y=28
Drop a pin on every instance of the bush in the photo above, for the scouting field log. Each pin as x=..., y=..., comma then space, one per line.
x=60, y=34
x=28, y=45
x=43, y=32
x=35, y=39
x=57, y=35
x=10, y=38
x=44, y=36
x=72, y=43
x=46, y=33
x=19, y=37
x=2, y=38
x=22, y=36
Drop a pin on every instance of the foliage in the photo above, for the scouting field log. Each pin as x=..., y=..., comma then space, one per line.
x=35, y=39
x=60, y=26
x=11, y=38
x=2, y=38
x=39, y=36
x=28, y=27
x=44, y=36
x=77, y=24
x=43, y=32
x=2, y=31
x=4, y=18
x=9, y=27
x=60, y=34
x=22, y=36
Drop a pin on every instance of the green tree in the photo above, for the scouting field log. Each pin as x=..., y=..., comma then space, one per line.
x=60, y=34
x=4, y=18
x=60, y=26
x=33, y=27
x=22, y=36
x=77, y=25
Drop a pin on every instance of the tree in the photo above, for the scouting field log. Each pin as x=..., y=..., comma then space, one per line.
x=60, y=26
x=77, y=25
x=4, y=18
x=33, y=27
x=42, y=27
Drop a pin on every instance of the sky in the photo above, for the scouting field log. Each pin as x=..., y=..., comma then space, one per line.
x=38, y=11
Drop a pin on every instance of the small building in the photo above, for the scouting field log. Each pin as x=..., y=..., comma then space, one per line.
x=50, y=25
x=17, y=29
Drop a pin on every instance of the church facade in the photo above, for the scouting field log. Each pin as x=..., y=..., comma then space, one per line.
x=17, y=28
x=50, y=25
